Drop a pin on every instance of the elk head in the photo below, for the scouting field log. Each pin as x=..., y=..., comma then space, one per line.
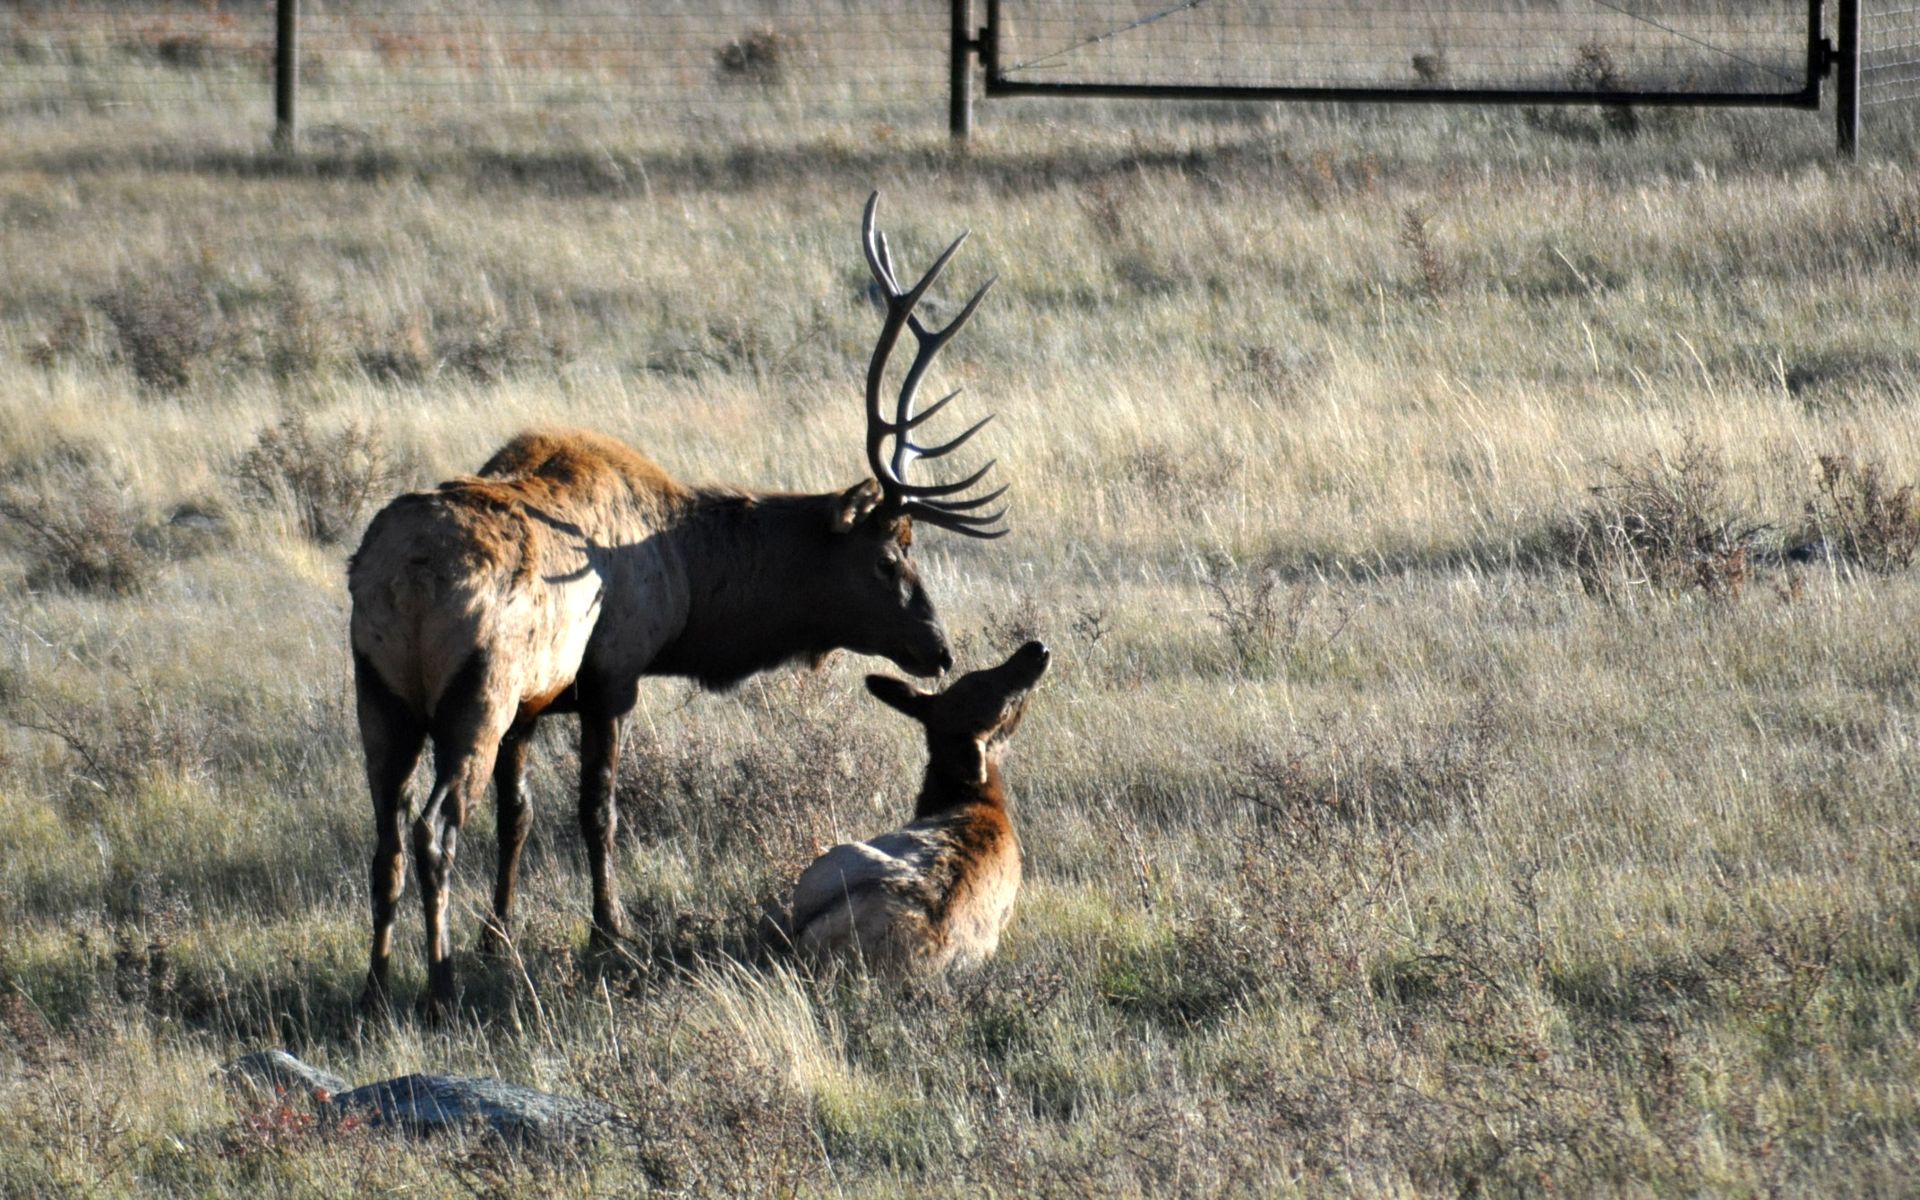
x=969, y=724
x=888, y=611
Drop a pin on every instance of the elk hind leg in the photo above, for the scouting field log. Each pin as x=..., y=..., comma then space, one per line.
x=391, y=735
x=511, y=803
x=466, y=737
x=599, y=760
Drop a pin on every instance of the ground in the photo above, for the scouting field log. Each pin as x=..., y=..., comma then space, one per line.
x=1482, y=744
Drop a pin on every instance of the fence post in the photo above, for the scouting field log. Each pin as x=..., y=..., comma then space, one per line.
x=1846, y=108
x=286, y=74
x=960, y=82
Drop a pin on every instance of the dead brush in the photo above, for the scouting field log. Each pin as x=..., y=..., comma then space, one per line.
x=71, y=516
x=1862, y=516
x=1189, y=483
x=1267, y=622
x=1595, y=69
x=493, y=349
x=1663, y=525
x=167, y=330
x=1425, y=771
x=325, y=481
x=303, y=336
x=1266, y=373
x=83, y=544
x=715, y=1121
x=760, y=56
x=1437, y=277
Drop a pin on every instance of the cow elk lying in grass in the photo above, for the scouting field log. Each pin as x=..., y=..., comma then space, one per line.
x=571, y=566
x=937, y=893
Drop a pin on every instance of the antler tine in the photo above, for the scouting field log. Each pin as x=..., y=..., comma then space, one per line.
x=920, y=500
x=954, y=506
x=948, y=447
x=920, y=491
x=970, y=526
x=900, y=307
x=875, y=244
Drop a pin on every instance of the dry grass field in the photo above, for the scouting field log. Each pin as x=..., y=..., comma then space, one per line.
x=1458, y=774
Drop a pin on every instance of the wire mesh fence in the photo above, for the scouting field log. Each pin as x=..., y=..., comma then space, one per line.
x=791, y=68
x=1757, y=47
x=1889, y=52
x=377, y=59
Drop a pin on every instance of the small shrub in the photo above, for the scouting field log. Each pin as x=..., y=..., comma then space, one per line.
x=404, y=356
x=70, y=337
x=166, y=330
x=1862, y=516
x=1015, y=626
x=1663, y=524
x=326, y=482
x=1594, y=69
x=1431, y=66
x=303, y=339
x=1106, y=210
x=501, y=349
x=1171, y=479
x=1266, y=623
x=759, y=56
x=1250, y=608
x=86, y=540
x=1429, y=771
x=1269, y=373
x=1900, y=223
x=1436, y=276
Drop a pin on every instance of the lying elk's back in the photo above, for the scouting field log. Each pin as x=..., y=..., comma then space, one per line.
x=510, y=565
x=932, y=895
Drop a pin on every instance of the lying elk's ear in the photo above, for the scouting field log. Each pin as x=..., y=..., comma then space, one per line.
x=854, y=504
x=897, y=694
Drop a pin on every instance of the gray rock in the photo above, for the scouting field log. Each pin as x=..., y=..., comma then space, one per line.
x=273, y=1073
x=431, y=1104
x=423, y=1104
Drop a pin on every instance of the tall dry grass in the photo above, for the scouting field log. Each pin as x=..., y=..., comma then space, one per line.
x=1369, y=848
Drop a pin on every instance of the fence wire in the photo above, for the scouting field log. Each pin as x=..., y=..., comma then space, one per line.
x=369, y=58
x=1889, y=52
x=1757, y=47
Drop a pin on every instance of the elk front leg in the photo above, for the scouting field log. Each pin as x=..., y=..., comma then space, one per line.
x=511, y=804
x=599, y=758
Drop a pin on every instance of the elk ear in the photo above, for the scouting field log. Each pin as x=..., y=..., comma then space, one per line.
x=897, y=694
x=854, y=504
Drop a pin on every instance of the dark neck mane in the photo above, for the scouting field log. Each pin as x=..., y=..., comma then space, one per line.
x=743, y=553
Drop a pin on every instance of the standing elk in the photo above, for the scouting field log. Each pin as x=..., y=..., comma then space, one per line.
x=937, y=893
x=571, y=566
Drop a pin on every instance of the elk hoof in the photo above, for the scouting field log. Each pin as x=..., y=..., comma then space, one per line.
x=604, y=944
x=437, y=1011
x=494, y=943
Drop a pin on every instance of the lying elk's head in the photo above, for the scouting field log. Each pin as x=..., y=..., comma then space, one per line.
x=888, y=612
x=969, y=724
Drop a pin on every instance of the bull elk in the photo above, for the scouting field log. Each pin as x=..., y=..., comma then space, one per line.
x=937, y=893
x=572, y=565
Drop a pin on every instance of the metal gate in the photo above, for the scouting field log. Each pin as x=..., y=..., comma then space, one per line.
x=1756, y=53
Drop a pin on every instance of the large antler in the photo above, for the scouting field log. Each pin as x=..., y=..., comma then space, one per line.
x=926, y=502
